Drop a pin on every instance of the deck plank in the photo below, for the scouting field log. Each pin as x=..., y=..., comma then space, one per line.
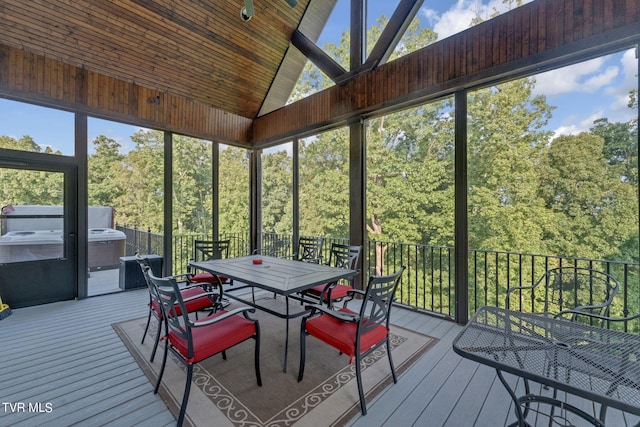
x=68, y=354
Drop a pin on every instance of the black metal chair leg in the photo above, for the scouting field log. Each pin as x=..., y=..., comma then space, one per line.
x=185, y=397
x=146, y=328
x=257, y=355
x=164, y=362
x=363, y=404
x=155, y=346
x=393, y=370
x=303, y=335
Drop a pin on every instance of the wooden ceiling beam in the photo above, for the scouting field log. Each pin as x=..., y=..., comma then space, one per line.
x=549, y=36
x=393, y=32
x=318, y=56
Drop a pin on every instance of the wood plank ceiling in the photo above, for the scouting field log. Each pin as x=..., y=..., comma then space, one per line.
x=199, y=50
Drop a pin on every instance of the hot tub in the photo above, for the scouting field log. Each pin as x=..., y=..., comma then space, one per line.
x=106, y=246
x=29, y=238
x=18, y=246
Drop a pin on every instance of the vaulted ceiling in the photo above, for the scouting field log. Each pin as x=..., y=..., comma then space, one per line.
x=197, y=49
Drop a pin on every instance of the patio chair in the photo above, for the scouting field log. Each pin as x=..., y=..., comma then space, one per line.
x=194, y=341
x=195, y=298
x=566, y=288
x=340, y=256
x=205, y=250
x=619, y=355
x=279, y=248
x=309, y=249
x=354, y=334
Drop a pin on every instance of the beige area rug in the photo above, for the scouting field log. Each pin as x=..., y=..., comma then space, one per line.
x=225, y=393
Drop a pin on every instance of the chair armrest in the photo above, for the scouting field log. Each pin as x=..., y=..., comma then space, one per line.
x=357, y=291
x=244, y=310
x=182, y=276
x=575, y=313
x=192, y=285
x=202, y=295
x=340, y=315
x=513, y=289
x=327, y=289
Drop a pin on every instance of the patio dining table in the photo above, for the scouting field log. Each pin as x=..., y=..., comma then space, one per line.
x=281, y=276
x=588, y=361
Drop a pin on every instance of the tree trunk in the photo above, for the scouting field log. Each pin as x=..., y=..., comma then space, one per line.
x=376, y=229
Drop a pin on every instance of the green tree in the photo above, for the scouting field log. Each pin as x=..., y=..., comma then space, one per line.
x=594, y=213
x=620, y=147
x=277, y=190
x=142, y=204
x=26, y=143
x=26, y=187
x=506, y=143
x=105, y=167
x=324, y=184
x=192, y=185
x=410, y=176
x=234, y=190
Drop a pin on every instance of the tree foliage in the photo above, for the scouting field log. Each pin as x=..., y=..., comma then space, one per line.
x=528, y=191
x=26, y=187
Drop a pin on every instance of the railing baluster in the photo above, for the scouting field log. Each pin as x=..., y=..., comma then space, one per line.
x=428, y=281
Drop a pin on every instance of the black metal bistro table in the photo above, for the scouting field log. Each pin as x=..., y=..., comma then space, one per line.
x=282, y=276
x=587, y=361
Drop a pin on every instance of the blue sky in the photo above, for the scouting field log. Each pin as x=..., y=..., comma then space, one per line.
x=581, y=93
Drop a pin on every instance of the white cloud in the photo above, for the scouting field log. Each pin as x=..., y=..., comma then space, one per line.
x=582, y=77
x=581, y=92
x=460, y=16
x=620, y=110
x=605, y=78
x=573, y=125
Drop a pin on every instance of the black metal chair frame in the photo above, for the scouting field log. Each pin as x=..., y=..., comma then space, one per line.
x=309, y=249
x=168, y=293
x=340, y=256
x=205, y=250
x=145, y=266
x=553, y=281
x=374, y=312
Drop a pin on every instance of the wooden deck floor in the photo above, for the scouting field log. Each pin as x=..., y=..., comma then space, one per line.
x=67, y=358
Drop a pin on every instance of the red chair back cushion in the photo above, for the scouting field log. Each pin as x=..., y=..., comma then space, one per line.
x=191, y=306
x=206, y=277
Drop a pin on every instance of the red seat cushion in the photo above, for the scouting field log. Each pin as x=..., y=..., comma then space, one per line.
x=342, y=335
x=206, y=277
x=194, y=305
x=340, y=291
x=212, y=339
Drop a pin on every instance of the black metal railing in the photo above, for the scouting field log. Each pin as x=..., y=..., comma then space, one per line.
x=141, y=241
x=428, y=283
